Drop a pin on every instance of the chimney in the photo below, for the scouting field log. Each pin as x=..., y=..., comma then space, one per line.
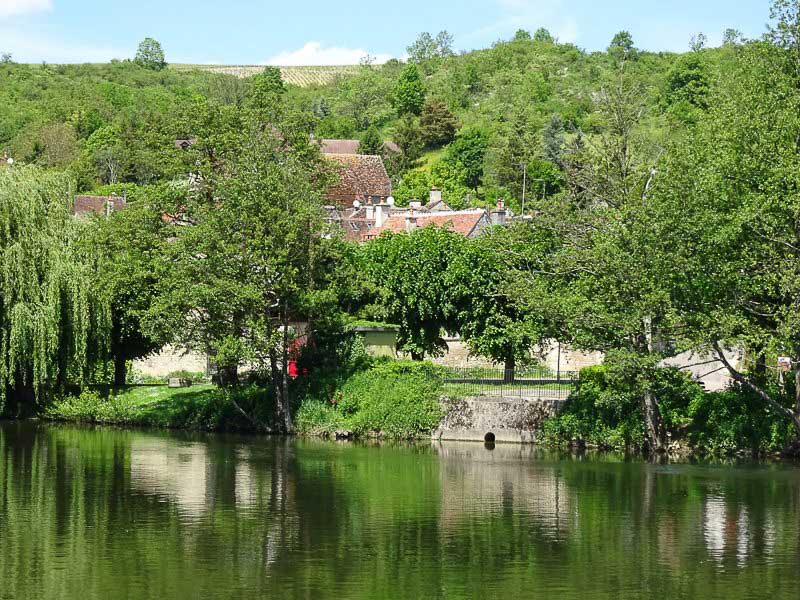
x=380, y=214
x=415, y=205
x=370, y=212
x=435, y=195
x=411, y=220
x=498, y=215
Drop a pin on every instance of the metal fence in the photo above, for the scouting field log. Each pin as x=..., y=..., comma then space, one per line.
x=527, y=382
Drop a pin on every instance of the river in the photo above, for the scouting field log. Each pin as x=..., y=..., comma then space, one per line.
x=108, y=513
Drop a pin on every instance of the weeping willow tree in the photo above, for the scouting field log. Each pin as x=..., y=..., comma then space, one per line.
x=52, y=323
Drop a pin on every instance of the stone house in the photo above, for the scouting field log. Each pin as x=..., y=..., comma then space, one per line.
x=97, y=205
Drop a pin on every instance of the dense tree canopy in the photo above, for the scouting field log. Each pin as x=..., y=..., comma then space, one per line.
x=54, y=322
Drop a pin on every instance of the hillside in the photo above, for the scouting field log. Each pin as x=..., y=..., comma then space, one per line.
x=477, y=125
x=299, y=76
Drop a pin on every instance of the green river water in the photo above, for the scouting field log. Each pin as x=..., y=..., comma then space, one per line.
x=106, y=513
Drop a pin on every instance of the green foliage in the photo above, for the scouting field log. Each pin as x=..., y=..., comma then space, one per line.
x=395, y=399
x=606, y=409
x=522, y=35
x=429, y=52
x=198, y=408
x=736, y=419
x=371, y=143
x=621, y=47
x=150, y=55
x=467, y=152
x=542, y=35
x=409, y=93
x=53, y=321
x=410, y=272
x=437, y=124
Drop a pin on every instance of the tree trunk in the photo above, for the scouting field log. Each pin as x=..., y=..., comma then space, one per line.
x=120, y=371
x=287, y=408
x=417, y=356
x=228, y=376
x=276, y=376
x=654, y=429
x=510, y=366
x=653, y=425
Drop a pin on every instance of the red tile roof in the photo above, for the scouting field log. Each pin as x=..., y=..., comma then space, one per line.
x=100, y=205
x=351, y=146
x=466, y=222
x=360, y=177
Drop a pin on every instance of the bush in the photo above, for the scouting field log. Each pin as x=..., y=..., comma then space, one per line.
x=736, y=419
x=605, y=410
x=396, y=399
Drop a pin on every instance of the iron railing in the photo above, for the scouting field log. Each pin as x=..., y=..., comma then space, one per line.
x=524, y=382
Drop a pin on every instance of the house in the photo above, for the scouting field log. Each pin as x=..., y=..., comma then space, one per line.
x=98, y=205
x=367, y=220
x=362, y=179
x=352, y=146
x=468, y=223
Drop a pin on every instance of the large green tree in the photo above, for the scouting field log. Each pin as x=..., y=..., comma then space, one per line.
x=246, y=239
x=410, y=272
x=409, y=92
x=53, y=323
x=150, y=55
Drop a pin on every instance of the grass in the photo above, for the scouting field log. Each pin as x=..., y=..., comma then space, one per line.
x=203, y=407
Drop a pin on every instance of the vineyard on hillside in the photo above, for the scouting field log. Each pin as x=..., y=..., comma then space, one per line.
x=299, y=76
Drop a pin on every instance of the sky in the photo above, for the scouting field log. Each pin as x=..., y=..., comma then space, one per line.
x=320, y=32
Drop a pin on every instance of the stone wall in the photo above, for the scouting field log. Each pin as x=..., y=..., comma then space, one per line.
x=168, y=360
x=499, y=419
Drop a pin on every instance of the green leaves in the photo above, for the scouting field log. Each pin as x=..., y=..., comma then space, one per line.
x=53, y=320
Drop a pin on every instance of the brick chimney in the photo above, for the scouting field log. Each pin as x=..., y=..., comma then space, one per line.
x=498, y=215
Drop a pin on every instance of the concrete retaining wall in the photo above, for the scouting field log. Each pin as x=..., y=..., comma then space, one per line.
x=499, y=419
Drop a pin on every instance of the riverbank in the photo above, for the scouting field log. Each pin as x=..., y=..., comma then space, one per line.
x=199, y=408
x=405, y=400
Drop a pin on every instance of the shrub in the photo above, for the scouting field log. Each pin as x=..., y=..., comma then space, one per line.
x=605, y=410
x=398, y=399
x=736, y=419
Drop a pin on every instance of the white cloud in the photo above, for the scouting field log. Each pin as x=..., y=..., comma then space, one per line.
x=314, y=54
x=11, y=8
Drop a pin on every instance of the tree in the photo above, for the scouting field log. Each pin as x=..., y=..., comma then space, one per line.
x=410, y=270
x=371, y=143
x=437, y=124
x=53, y=323
x=234, y=280
x=732, y=37
x=429, y=52
x=621, y=47
x=522, y=35
x=688, y=86
x=734, y=178
x=468, y=151
x=542, y=35
x=698, y=42
x=489, y=320
x=150, y=55
x=603, y=234
x=409, y=138
x=129, y=244
x=409, y=92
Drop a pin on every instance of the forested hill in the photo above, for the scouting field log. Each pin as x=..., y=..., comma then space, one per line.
x=474, y=124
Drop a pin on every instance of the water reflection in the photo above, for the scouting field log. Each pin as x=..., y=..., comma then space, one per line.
x=108, y=513
x=506, y=479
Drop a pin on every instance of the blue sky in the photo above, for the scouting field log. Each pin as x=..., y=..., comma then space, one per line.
x=324, y=32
